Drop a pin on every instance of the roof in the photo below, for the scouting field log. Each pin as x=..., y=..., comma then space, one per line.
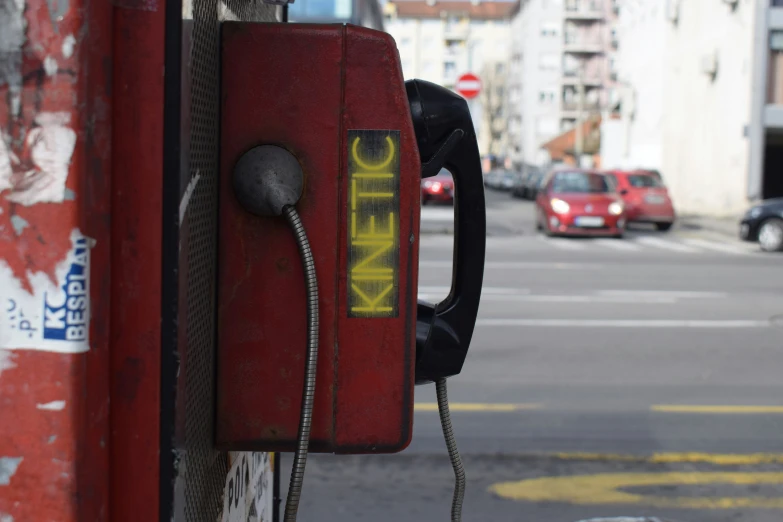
x=484, y=10
x=564, y=144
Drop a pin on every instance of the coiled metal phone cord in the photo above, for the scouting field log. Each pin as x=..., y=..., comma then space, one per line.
x=451, y=445
x=306, y=416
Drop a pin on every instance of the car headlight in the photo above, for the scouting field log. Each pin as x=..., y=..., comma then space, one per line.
x=615, y=208
x=754, y=212
x=559, y=206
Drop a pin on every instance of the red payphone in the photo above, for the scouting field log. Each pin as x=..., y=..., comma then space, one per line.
x=320, y=335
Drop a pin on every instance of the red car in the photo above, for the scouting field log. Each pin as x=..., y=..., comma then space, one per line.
x=645, y=196
x=579, y=202
x=438, y=188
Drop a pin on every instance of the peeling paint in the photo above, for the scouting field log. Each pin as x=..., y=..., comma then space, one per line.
x=6, y=518
x=68, y=44
x=8, y=466
x=51, y=143
x=52, y=406
x=19, y=223
x=51, y=440
x=57, y=9
x=50, y=66
x=6, y=360
x=70, y=195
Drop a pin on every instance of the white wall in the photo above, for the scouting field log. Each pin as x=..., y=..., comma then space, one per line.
x=705, y=154
x=640, y=61
x=539, y=72
x=685, y=123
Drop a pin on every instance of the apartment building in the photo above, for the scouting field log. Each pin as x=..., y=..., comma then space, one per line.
x=438, y=41
x=560, y=71
x=701, y=97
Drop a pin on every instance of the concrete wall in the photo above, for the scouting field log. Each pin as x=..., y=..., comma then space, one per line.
x=686, y=122
x=534, y=76
x=635, y=141
x=705, y=153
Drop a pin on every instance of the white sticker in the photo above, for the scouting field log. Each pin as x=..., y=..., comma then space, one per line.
x=248, y=493
x=54, y=318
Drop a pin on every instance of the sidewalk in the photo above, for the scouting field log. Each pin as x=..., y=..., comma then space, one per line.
x=728, y=226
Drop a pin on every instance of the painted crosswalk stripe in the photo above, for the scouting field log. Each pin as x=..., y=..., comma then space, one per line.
x=521, y=265
x=625, y=323
x=616, y=244
x=562, y=243
x=664, y=244
x=716, y=246
x=676, y=294
x=437, y=214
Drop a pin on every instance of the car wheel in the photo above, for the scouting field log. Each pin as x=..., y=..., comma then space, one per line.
x=771, y=235
x=663, y=227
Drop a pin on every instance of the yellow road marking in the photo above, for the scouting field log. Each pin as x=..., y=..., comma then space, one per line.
x=475, y=406
x=605, y=489
x=727, y=410
x=726, y=459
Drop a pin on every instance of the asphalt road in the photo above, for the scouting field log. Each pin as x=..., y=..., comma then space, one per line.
x=616, y=377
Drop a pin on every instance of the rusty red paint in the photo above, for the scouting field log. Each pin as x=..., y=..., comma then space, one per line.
x=64, y=51
x=347, y=78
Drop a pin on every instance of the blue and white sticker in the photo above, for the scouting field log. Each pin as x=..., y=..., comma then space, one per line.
x=54, y=317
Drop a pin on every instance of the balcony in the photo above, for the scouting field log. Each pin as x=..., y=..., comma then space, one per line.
x=570, y=108
x=590, y=80
x=583, y=10
x=456, y=32
x=582, y=46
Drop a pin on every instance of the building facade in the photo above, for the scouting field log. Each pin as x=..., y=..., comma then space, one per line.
x=561, y=70
x=440, y=41
x=366, y=13
x=701, y=96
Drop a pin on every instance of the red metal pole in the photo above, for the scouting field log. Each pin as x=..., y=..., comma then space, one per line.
x=136, y=259
x=55, y=114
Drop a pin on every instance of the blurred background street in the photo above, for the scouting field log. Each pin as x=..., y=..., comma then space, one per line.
x=656, y=354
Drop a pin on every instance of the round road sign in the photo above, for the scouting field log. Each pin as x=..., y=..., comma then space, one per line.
x=468, y=85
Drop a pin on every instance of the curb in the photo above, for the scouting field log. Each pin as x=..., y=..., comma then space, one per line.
x=698, y=223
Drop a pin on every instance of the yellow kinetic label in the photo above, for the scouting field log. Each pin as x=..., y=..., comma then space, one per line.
x=373, y=223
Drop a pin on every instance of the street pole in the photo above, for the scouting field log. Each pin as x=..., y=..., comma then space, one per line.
x=578, y=141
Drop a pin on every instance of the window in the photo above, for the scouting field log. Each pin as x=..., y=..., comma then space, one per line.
x=320, y=9
x=775, y=75
x=579, y=183
x=643, y=181
x=549, y=29
x=404, y=41
x=500, y=68
x=449, y=69
x=546, y=96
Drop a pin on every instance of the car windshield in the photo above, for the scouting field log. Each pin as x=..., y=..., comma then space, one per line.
x=643, y=181
x=579, y=182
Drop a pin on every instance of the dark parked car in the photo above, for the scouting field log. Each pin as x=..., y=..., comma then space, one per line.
x=764, y=223
x=529, y=187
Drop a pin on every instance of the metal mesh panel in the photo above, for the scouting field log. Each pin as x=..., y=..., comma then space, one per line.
x=202, y=470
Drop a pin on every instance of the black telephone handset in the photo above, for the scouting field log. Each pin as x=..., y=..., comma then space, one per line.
x=446, y=139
